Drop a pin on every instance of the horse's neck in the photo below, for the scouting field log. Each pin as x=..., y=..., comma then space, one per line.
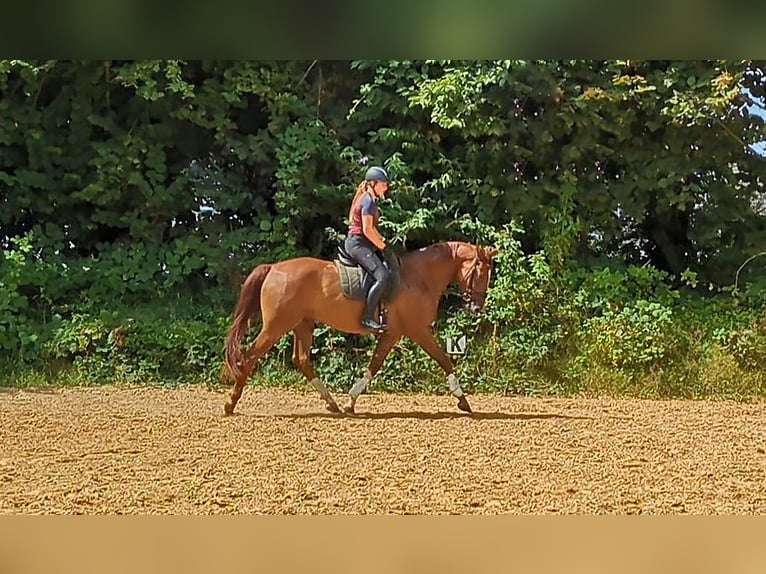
x=436, y=264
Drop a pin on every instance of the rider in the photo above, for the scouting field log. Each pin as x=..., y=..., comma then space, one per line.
x=364, y=238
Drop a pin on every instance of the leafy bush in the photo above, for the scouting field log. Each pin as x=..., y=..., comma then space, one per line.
x=638, y=336
x=136, y=345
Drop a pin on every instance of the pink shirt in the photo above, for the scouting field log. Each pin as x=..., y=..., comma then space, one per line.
x=367, y=206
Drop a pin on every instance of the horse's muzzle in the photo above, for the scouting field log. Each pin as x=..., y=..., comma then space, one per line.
x=474, y=301
x=473, y=307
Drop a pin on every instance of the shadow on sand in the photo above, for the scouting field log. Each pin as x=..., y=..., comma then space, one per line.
x=424, y=416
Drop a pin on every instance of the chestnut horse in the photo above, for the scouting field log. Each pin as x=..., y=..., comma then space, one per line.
x=293, y=295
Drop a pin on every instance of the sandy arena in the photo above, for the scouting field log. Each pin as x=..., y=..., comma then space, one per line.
x=148, y=450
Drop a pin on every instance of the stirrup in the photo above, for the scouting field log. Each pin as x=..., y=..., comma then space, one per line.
x=373, y=325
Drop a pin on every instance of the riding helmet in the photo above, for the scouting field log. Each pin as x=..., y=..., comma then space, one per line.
x=376, y=173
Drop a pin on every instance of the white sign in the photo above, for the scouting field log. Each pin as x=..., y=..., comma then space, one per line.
x=456, y=345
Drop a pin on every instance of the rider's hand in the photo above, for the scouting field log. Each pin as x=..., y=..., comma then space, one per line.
x=388, y=253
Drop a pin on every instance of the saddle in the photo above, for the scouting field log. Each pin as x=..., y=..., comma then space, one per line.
x=355, y=281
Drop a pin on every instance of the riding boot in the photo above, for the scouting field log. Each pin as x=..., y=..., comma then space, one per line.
x=373, y=300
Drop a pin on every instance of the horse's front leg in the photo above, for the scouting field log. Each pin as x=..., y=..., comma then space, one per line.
x=425, y=338
x=386, y=342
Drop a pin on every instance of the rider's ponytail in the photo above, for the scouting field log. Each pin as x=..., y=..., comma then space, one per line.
x=360, y=189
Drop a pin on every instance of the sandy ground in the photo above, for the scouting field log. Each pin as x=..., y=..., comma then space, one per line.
x=147, y=450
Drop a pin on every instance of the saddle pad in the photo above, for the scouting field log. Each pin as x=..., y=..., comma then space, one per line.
x=355, y=281
x=351, y=279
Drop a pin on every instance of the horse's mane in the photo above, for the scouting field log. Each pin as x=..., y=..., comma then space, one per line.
x=441, y=250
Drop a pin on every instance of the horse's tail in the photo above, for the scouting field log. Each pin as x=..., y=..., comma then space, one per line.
x=248, y=305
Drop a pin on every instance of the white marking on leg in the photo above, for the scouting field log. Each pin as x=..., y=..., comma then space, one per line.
x=453, y=385
x=360, y=385
x=319, y=386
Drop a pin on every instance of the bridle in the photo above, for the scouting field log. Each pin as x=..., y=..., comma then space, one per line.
x=467, y=281
x=469, y=278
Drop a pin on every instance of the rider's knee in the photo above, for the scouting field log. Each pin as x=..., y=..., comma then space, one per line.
x=384, y=276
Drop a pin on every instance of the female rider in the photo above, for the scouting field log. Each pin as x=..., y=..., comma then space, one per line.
x=364, y=239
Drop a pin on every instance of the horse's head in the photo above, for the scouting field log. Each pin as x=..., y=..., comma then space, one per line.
x=474, y=274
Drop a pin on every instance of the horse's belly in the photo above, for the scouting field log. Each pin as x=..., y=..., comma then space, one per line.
x=342, y=314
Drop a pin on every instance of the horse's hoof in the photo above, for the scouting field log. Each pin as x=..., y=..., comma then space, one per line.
x=228, y=409
x=462, y=404
x=332, y=407
x=348, y=409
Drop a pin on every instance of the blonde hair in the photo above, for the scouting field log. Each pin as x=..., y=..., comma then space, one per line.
x=360, y=189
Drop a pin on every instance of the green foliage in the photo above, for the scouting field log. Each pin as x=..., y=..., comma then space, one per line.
x=622, y=194
x=638, y=336
x=13, y=303
x=132, y=345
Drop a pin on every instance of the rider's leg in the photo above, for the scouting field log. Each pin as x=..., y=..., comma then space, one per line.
x=363, y=252
x=374, y=295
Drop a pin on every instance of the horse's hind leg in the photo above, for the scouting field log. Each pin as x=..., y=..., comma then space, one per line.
x=263, y=342
x=302, y=337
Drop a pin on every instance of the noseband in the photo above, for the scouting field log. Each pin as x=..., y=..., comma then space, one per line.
x=469, y=278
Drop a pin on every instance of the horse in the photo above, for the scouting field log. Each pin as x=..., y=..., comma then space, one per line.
x=295, y=294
